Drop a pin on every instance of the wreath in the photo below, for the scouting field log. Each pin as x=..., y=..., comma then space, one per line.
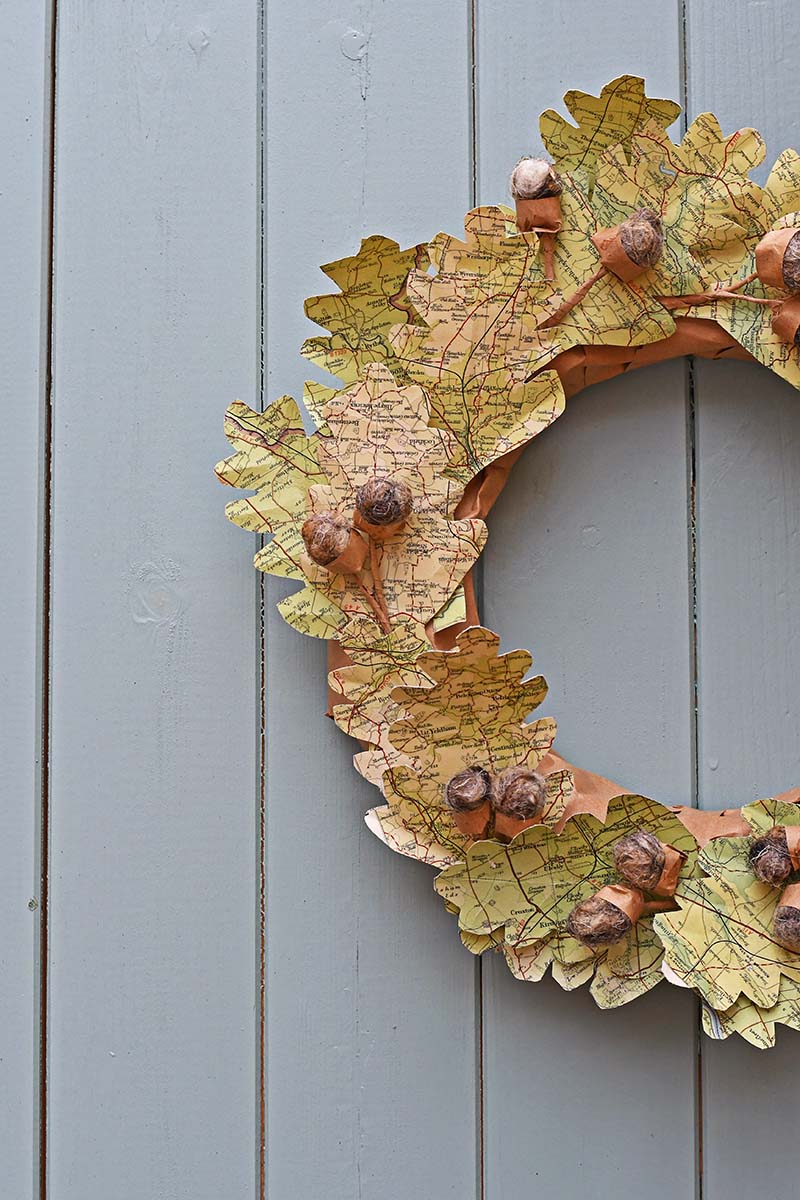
x=625, y=250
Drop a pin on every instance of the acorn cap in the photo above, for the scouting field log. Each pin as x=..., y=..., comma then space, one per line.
x=534, y=179
x=786, y=926
x=384, y=503
x=778, y=259
x=642, y=237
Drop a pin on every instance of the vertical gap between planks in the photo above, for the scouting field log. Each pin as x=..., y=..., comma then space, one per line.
x=691, y=440
x=261, y=639
x=479, y=590
x=45, y=535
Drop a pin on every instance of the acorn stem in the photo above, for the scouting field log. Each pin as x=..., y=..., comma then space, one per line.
x=548, y=243
x=380, y=615
x=734, y=287
x=710, y=297
x=377, y=582
x=572, y=301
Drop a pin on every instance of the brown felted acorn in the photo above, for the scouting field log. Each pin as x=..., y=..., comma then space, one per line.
x=536, y=187
x=776, y=855
x=634, y=246
x=639, y=858
x=626, y=251
x=786, y=922
x=606, y=916
x=332, y=543
x=382, y=505
x=647, y=863
x=469, y=795
x=519, y=798
x=778, y=259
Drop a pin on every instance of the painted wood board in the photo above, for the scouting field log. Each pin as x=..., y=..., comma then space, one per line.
x=24, y=196
x=153, y=985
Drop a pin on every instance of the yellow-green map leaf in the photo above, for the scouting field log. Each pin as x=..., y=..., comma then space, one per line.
x=602, y=121
x=372, y=298
x=721, y=941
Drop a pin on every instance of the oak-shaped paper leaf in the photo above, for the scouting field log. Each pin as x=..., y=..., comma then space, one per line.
x=529, y=888
x=756, y=1025
x=700, y=187
x=481, y=353
x=727, y=857
x=416, y=822
x=721, y=943
x=606, y=120
x=474, y=713
x=419, y=567
x=372, y=298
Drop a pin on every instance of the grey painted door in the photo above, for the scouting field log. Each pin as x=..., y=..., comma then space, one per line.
x=216, y=984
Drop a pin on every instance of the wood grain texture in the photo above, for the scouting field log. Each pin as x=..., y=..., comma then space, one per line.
x=24, y=48
x=740, y=65
x=587, y=566
x=153, y=949
x=371, y=1027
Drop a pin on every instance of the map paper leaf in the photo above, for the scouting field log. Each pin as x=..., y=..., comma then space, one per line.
x=721, y=942
x=602, y=121
x=372, y=299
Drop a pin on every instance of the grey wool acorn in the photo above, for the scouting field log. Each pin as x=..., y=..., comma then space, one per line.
x=769, y=857
x=642, y=237
x=639, y=858
x=383, y=502
x=598, y=922
x=331, y=542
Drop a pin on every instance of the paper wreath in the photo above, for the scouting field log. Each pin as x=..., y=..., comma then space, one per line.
x=627, y=250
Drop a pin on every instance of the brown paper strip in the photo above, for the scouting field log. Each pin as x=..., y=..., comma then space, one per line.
x=786, y=321
x=793, y=844
x=670, y=872
x=769, y=257
x=790, y=896
x=613, y=257
x=630, y=900
x=539, y=216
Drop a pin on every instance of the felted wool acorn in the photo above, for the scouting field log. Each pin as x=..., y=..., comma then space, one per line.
x=333, y=543
x=778, y=259
x=634, y=246
x=607, y=916
x=786, y=922
x=382, y=505
x=776, y=855
x=647, y=863
x=469, y=795
x=519, y=796
x=536, y=187
x=626, y=250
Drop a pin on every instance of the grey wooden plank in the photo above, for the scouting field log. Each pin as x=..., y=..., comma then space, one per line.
x=748, y=516
x=371, y=999
x=748, y=430
x=24, y=47
x=587, y=565
x=152, y=1053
